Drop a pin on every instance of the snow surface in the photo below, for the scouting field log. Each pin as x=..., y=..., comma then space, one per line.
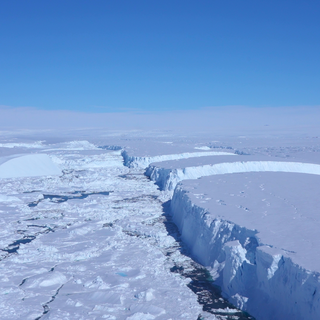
x=259, y=234
x=27, y=166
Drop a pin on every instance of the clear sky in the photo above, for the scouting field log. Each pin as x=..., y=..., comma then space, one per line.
x=151, y=55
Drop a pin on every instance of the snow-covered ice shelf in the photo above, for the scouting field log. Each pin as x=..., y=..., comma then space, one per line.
x=259, y=234
x=167, y=174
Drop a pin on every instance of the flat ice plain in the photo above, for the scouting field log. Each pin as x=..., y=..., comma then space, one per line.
x=93, y=228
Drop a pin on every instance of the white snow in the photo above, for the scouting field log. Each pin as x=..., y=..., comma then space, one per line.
x=27, y=166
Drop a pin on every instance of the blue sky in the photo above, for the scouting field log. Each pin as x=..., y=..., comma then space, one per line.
x=151, y=55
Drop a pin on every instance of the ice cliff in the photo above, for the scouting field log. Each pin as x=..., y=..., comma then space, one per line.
x=144, y=161
x=167, y=178
x=255, y=275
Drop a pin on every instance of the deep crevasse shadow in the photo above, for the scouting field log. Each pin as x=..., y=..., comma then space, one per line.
x=209, y=294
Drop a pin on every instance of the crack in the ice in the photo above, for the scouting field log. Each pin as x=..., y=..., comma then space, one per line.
x=22, y=282
x=111, y=147
x=13, y=247
x=137, y=199
x=78, y=195
x=131, y=176
x=45, y=306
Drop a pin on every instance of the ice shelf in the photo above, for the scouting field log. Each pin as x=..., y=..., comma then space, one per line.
x=144, y=161
x=167, y=174
x=258, y=232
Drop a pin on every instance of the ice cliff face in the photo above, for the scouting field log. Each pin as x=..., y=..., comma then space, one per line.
x=167, y=179
x=144, y=161
x=254, y=276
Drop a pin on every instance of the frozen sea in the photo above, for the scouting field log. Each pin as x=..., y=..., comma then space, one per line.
x=85, y=234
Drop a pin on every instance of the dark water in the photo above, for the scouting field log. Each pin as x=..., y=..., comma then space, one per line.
x=209, y=295
x=111, y=147
x=63, y=198
x=131, y=176
x=14, y=246
x=46, y=307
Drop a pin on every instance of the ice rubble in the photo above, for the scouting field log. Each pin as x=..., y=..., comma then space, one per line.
x=167, y=175
x=78, y=258
x=144, y=161
x=30, y=165
x=258, y=232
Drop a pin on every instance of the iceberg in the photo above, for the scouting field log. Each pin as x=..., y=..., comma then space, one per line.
x=30, y=165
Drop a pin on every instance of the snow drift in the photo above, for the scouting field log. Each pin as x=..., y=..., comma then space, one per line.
x=27, y=166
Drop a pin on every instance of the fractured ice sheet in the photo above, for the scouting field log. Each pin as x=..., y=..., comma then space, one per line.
x=74, y=254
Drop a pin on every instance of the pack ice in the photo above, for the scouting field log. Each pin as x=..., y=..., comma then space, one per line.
x=83, y=237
